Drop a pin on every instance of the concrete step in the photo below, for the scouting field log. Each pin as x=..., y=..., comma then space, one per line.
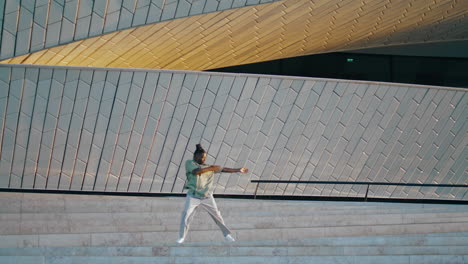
x=158, y=238
x=149, y=238
x=252, y=210
x=59, y=229
x=168, y=220
x=129, y=222
x=237, y=250
x=56, y=203
x=432, y=239
x=164, y=215
x=234, y=205
x=414, y=259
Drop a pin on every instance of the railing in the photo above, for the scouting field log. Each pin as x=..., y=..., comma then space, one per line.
x=357, y=183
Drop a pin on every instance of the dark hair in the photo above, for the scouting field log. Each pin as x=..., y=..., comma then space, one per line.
x=199, y=150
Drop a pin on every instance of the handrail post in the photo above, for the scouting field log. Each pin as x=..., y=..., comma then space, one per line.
x=367, y=191
x=255, y=194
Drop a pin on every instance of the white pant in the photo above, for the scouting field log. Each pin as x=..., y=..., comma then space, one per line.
x=209, y=204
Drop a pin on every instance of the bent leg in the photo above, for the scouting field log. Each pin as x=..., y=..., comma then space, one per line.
x=210, y=206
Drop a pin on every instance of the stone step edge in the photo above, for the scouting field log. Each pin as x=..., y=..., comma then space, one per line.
x=214, y=228
x=201, y=227
x=250, y=213
x=237, y=210
x=407, y=259
x=284, y=221
x=66, y=209
x=334, y=240
x=231, y=250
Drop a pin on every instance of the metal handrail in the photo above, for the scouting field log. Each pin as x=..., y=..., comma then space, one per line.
x=358, y=183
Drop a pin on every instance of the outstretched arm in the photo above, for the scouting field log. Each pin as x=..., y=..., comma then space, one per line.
x=214, y=168
x=217, y=168
x=241, y=170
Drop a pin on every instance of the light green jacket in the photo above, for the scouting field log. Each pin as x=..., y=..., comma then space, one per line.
x=198, y=186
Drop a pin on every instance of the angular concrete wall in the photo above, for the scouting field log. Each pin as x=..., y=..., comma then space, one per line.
x=130, y=130
x=28, y=26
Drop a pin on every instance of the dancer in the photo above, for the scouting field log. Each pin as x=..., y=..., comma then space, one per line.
x=200, y=178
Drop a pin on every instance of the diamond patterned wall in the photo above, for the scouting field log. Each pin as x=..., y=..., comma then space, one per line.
x=130, y=130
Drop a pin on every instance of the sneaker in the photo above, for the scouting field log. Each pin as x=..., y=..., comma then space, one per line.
x=181, y=240
x=229, y=238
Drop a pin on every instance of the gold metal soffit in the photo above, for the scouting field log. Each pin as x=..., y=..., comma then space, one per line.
x=265, y=32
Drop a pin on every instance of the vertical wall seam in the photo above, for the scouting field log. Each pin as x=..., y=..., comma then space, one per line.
x=374, y=133
x=105, y=136
x=227, y=127
x=94, y=128
x=211, y=106
x=142, y=133
x=257, y=83
x=90, y=22
x=181, y=125
x=81, y=132
x=5, y=113
x=30, y=127
x=68, y=132
x=30, y=34
x=75, y=24
x=311, y=93
x=46, y=25
x=117, y=132
x=168, y=129
x=43, y=127
x=292, y=151
x=282, y=134
x=243, y=143
x=274, y=118
x=17, y=27
x=135, y=3
x=129, y=137
x=56, y=128
x=104, y=19
x=193, y=126
x=2, y=25
x=17, y=125
x=154, y=134
x=61, y=26
x=412, y=127
x=157, y=128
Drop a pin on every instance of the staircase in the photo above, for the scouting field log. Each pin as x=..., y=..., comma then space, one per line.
x=59, y=229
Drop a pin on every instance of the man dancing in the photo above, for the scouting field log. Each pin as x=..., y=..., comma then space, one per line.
x=200, y=178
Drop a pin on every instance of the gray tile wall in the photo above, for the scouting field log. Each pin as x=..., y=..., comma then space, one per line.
x=123, y=130
x=27, y=26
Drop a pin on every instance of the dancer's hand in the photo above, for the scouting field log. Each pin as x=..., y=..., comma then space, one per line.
x=244, y=170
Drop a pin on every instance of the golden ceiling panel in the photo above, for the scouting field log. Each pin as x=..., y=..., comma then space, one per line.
x=260, y=33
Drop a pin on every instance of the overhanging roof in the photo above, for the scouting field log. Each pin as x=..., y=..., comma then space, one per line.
x=256, y=33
